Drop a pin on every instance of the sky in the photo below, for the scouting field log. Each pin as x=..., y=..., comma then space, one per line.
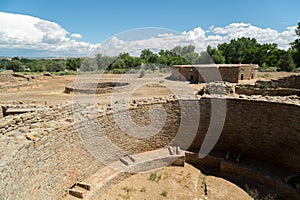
x=36, y=28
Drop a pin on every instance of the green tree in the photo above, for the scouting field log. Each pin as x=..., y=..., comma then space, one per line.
x=88, y=65
x=186, y=52
x=3, y=63
x=216, y=55
x=54, y=66
x=148, y=56
x=296, y=46
x=287, y=63
x=14, y=65
x=204, y=58
x=237, y=50
x=73, y=64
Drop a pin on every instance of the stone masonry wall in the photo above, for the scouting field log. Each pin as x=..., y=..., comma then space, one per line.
x=42, y=154
x=230, y=74
x=267, y=131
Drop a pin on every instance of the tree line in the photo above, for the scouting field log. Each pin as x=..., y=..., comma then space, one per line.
x=241, y=50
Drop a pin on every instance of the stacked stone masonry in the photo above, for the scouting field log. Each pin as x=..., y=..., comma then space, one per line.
x=42, y=154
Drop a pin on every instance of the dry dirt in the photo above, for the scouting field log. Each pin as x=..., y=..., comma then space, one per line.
x=175, y=182
x=49, y=89
x=182, y=183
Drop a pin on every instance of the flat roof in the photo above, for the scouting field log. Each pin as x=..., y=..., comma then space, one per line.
x=217, y=65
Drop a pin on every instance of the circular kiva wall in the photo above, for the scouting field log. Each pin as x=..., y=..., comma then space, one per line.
x=97, y=88
x=47, y=166
x=265, y=131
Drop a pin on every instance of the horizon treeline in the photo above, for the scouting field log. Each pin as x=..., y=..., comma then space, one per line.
x=242, y=50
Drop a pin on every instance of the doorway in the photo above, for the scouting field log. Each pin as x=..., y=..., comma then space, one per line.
x=242, y=76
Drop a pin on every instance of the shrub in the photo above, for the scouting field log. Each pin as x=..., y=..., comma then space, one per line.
x=143, y=189
x=164, y=193
x=153, y=176
x=142, y=73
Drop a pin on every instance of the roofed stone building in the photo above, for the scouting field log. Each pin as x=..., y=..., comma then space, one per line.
x=204, y=73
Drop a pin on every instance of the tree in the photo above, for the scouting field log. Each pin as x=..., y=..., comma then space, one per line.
x=204, y=58
x=3, y=63
x=286, y=63
x=88, y=65
x=73, y=64
x=296, y=46
x=54, y=66
x=148, y=56
x=186, y=52
x=216, y=55
x=14, y=65
x=237, y=50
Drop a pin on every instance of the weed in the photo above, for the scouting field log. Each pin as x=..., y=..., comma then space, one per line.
x=204, y=186
x=158, y=178
x=164, y=193
x=129, y=191
x=252, y=192
x=264, y=75
x=143, y=189
x=153, y=176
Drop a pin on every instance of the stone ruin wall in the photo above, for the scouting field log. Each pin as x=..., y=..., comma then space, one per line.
x=288, y=82
x=41, y=155
x=247, y=72
x=54, y=158
x=285, y=86
x=98, y=88
x=261, y=130
x=230, y=73
x=6, y=76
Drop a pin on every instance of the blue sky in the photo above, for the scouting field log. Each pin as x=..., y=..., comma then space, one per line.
x=96, y=21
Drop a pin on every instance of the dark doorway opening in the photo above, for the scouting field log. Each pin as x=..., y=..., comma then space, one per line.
x=242, y=76
x=192, y=78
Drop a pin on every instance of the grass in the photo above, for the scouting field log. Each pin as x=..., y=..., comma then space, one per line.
x=155, y=177
x=256, y=196
x=164, y=193
x=143, y=189
x=265, y=85
x=264, y=75
x=129, y=191
x=204, y=186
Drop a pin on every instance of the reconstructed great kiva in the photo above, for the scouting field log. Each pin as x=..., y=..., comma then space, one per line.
x=229, y=72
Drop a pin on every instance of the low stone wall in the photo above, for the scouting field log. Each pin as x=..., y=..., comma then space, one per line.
x=98, y=88
x=42, y=154
x=219, y=166
x=267, y=131
x=289, y=82
x=6, y=76
x=267, y=180
x=252, y=90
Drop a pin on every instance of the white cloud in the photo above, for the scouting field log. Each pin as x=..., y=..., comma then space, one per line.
x=201, y=38
x=262, y=35
x=32, y=33
x=76, y=36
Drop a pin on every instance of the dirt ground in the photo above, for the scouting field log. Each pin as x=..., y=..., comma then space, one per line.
x=182, y=183
x=50, y=89
x=174, y=182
